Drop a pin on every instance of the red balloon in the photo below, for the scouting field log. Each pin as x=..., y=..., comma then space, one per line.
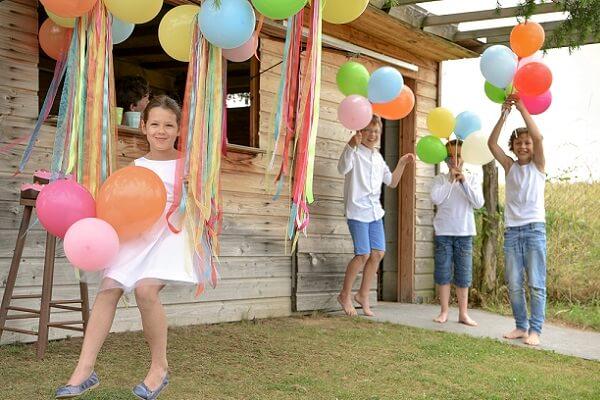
x=533, y=79
x=69, y=8
x=54, y=39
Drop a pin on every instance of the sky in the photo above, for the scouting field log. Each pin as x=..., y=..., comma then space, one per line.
x=571, y=126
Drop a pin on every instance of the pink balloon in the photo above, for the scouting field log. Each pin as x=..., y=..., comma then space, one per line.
x=537, y=104
x=62, y=203
x=91, y=244
x=355, y=112
x=537, y=57
x=242, y=53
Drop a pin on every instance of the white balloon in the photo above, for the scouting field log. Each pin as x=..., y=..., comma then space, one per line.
x=475, y=149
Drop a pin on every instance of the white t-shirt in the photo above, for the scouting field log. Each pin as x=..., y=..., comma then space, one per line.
x=524, y=195
x=364, y=171
x=455, y=202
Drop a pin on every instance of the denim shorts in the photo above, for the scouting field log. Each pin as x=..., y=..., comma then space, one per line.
x=453, y=260
x=367, y=236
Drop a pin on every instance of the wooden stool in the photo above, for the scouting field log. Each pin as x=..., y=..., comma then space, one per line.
x=28, y=199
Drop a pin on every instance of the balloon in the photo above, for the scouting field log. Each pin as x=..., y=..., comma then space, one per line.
x=355, y=112
x=279, y=9
x=65, y=22
x=228, y=26
x=527, y=38
x=498, y=65
x=121, y=30
x=431, y=150
x=537, y=57
x=533, y=79
x=134, y=11
x=131, y=200
x=244, y=52
x=176, y=29
x=54, y=39
x=537, y=104
x=495, y=94
x=343, y=11
x=440, y=122
x=385, y=85
x=398, y=108
x=353, y=78
x=466, y=123
x=62, y=203
x=69, y=8
x=475, y=149
x=91, y=244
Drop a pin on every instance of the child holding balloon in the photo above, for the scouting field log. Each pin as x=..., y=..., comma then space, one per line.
x=525, y=235
x=144, y=265
x=365, y=171
x=456, y=195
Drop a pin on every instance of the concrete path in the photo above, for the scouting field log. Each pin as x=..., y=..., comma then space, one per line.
x=562, y=340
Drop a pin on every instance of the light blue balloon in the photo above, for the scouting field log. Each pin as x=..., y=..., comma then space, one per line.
x=385, y=85
x=121, y=30
x=498, y=65
x=229, y=25
x=466, y=123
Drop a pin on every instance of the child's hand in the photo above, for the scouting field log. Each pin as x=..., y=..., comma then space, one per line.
x=456, y=175
x=408, y=158
x=355, y=140
x=507, y=106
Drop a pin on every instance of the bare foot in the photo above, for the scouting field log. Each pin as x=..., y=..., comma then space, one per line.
x=515, y=334
x=80, y=375
x=533, y=339
x=465, y=319
x=346, y=304
x=442, y=318
x=364, y=302
x=155, y=378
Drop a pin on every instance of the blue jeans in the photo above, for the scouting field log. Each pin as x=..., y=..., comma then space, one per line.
x=525, y=253
x=457, y=252
x=367, y=236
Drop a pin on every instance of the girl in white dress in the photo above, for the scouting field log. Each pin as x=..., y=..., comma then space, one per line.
x=144, y=266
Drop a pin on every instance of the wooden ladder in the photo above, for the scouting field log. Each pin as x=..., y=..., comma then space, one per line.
x=28, y=199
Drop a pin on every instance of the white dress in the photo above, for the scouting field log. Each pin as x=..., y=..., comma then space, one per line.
x=159, y=256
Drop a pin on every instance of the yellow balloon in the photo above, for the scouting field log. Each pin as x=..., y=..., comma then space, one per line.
x=134, y=11
x=440, y=122
x=176, y=29
x=62, y=21
x=343, y=11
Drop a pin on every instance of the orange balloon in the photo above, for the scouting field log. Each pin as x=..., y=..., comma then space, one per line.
x=533, y=79
x=69, y=8
x=527, y=38
x=398, y=108
x=54, y=39
x=131, y=200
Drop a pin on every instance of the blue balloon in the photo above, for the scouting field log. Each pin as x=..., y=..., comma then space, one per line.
x=466, y=123
x=498, y=65
x=385, y=85
x=229, y=25
x=121, y=30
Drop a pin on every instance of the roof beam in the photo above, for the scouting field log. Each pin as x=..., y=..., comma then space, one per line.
x=501, y=31
x=435, y=20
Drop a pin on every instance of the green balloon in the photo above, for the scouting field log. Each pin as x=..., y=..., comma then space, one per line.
x=431, y=150
x=496, y=94
x=353, y=78
x=279, y=9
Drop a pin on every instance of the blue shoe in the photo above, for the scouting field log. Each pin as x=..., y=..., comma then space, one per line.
x=141, y=391
x=68, y=391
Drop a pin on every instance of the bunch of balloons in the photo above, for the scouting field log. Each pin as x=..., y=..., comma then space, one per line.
x=55, y=32
x=466, y=127
x=519, y=70
x=383, y=93
x=129, y=202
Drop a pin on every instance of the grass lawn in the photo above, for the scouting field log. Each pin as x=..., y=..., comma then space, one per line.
x=315, y=357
